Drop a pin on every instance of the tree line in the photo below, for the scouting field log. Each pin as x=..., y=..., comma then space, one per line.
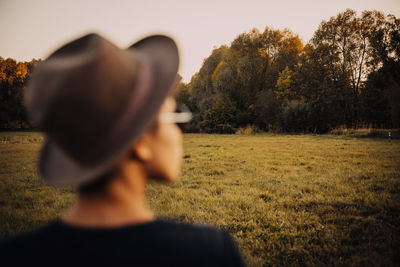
x=347, y=75
x=13, y=78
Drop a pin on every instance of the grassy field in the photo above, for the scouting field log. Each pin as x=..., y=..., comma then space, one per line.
x=288, y=200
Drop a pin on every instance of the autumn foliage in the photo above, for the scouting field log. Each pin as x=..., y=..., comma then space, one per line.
x=13, y=77
x=347, y=75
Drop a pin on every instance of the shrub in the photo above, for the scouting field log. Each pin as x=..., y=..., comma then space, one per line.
x=219, y=118
x=296, y=117
x=249, y=129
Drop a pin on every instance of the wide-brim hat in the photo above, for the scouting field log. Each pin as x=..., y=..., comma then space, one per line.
x=93, y=100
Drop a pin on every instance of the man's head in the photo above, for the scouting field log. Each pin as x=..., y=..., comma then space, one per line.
x=158, y=151
x=96, y=103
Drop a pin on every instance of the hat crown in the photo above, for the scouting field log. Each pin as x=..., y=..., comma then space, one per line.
x=79, y=91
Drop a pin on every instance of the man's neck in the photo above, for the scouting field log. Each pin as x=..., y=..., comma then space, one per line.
x=122, y=203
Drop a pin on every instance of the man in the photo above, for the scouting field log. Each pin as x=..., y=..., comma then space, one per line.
x=110, y=126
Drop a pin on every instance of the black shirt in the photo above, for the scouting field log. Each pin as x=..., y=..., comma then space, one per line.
x=158, y=243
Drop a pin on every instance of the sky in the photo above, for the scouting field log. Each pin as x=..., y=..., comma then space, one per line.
x=34, y=28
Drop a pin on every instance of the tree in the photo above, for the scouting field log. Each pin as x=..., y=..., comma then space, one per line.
x=13, y=78
x=383, y=86
x=266, y=109
x=203, y=90
x=219, y=117
x=270, y=79
x=284, y=84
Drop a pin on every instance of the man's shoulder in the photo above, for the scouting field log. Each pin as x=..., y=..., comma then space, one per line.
x=25, y=242
x=205, y=243
x=202, y=232
x=184, y=226
x=173, y=241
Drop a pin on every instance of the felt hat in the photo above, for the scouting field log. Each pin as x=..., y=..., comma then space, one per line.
x=93, y=100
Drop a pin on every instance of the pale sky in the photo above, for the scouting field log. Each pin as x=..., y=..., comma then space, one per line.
x=34, y=28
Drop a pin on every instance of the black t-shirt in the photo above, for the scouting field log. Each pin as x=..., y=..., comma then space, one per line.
x=158, y=243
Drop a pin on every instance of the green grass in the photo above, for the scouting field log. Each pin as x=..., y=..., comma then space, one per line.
x=287, y=199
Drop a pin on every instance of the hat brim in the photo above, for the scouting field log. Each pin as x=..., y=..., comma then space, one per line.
x=59, y=169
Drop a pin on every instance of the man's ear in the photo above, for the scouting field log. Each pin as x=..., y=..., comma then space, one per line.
x=142, y=149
